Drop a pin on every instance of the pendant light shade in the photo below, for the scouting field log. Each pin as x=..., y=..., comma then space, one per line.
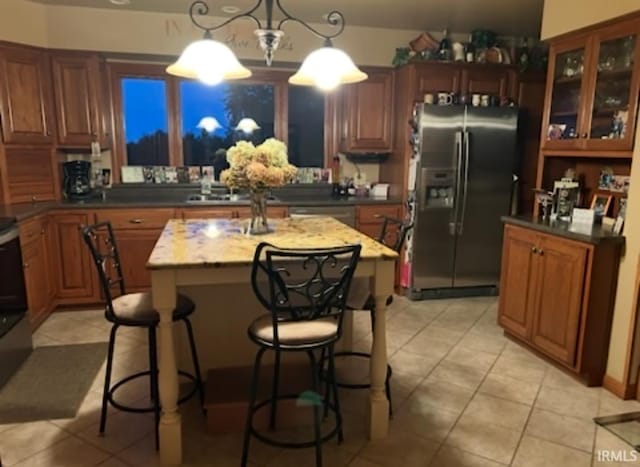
x=247, y=125
x=208, y=61
x=327, y=68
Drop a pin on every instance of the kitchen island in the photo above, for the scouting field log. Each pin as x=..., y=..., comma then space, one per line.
x=201, y=252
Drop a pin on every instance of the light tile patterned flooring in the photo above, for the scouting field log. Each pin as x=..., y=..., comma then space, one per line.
x=463, y=396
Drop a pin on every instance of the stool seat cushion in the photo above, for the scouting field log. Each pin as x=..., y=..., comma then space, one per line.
x=137, y=308
x=301, y=332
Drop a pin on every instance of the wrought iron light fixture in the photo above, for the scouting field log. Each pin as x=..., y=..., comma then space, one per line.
x=212, y=61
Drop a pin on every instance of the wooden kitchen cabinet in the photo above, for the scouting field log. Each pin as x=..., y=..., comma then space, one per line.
x=368, y=114
x=25, y=96
x=78, y=90
x=35, y=237
x=75, y=273
x=592, y=91
x=491, y=80
x=557, y=296
x=136, y=232
x=369, y=223
x=231, y=212
x=273, y=212
x=433, y=78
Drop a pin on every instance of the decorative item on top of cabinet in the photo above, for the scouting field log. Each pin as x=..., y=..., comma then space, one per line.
x=368, y=113
x=35, y=240
x=557, y=296
x=136, y=232
x=592, y=91
x=78, y=96
x=25, y=96
x=77, y=282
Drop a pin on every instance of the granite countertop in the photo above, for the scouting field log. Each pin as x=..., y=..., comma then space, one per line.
x=222, y=242
x=24, y=211
x=597, y=234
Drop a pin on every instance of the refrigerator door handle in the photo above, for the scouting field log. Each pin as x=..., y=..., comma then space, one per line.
x=465, y=184
x=456, y=202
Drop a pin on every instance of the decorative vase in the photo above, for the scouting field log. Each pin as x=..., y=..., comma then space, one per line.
x=258, y=223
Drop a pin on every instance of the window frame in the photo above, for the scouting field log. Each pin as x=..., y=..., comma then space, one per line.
x=276, y=77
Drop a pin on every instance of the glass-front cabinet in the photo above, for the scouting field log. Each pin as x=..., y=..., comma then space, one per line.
x=593, y=87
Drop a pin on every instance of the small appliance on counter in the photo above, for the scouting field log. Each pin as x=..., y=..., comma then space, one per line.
x=77, y=180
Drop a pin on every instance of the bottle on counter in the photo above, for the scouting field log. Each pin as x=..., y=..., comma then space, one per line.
x=523, y=55
x=444, y=49
x=470, y=51
x=335, y=175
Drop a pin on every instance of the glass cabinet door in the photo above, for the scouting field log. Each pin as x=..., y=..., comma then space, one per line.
x=615, y=94
x=563, y=126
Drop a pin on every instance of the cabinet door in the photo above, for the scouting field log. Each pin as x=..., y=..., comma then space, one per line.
x=613, y=95
x=76, y=86
x=135, y=247
x=517, y=281
x=560, y=288
x=76, y=274
x=25, y=97
x=563, y=126
x=486, y=80
x=209, y=213
x=37, y=283
x=369, y=114
x=436, y=77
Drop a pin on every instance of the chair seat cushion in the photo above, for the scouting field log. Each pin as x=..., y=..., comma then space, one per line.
x=295, y=332
x=137, y=308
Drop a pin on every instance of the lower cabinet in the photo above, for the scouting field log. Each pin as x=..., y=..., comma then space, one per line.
x=35, y=235
x=369, y=220
x=75, y=273
x=557, y=296
x=232, y=212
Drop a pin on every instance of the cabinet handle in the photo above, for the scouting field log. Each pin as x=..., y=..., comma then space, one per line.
x=25, y=264
x=541, y=252
x=584, y=136
x=42, y=232
x=534, y=250
x=136, y=221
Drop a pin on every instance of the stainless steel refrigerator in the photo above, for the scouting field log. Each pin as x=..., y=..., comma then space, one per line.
x=463, y=172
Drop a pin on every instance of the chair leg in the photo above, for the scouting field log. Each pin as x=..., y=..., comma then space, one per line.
x=274, y=392
x=153, y=379
x=252, y=401
x=316, y=408
x=194, y=357
x=107, y=378
x=387, y=388
x=334, y=387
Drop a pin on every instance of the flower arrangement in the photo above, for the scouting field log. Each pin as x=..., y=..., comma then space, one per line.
x=258, y=168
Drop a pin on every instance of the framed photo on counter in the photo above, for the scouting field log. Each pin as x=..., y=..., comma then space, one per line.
x=600, y=204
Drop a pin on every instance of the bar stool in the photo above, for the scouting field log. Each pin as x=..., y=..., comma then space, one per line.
x=134, y=310
x=392, y=234
x=304, y=292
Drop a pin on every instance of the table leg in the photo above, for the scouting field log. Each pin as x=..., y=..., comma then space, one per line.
x=170, y=428
x=381, y=288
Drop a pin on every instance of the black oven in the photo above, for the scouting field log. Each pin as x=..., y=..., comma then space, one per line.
x=15, y=333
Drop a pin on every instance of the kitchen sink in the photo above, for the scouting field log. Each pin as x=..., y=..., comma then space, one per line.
x=217, y=198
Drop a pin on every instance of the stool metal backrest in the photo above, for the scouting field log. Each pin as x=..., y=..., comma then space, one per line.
x=104, y=251
x=402, y=227
x=303, y=284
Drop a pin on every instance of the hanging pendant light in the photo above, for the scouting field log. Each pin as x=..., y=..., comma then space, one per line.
x=211, y=61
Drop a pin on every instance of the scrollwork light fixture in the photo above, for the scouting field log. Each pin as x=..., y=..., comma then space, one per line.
x=212, y=61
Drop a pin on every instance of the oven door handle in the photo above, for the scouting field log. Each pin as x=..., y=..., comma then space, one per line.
x=8, y=235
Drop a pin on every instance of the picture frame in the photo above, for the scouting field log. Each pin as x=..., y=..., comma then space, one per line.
x=600, y=204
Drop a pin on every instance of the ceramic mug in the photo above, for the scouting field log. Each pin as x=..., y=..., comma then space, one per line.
x=428, y=98
x=475, y=100
x=494, y=101
x=445, y=98
x=484, y=100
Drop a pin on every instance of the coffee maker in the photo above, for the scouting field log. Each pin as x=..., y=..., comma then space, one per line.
x=77, y=179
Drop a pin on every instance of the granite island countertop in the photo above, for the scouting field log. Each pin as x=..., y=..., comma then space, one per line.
x=23, y=211
x=222, y=242
x=596, y=234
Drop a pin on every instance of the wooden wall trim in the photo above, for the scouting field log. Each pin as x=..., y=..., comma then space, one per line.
x=618, y=388
x=633, y=346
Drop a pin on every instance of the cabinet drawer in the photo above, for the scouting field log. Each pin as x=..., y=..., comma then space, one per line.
x=368, y=214
x=136, y=218
x=31, y=229
x=208, y=213
x=273, y=212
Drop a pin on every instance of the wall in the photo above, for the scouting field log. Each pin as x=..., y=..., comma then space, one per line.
x=23, y=22
x=559, y=17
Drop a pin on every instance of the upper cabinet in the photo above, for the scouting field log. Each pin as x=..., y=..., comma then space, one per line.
x=25, y=98
x=368, y=114
x=592, y=91
x=77, y=88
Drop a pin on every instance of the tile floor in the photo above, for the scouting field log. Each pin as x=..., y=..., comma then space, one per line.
x=463, y=396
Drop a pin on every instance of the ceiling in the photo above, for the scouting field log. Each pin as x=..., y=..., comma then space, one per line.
x=506, y=17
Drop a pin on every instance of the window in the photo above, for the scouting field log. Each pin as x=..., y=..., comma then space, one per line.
x=145, y=121
x=306, y=127
x=163, y=120
x=210, y=115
